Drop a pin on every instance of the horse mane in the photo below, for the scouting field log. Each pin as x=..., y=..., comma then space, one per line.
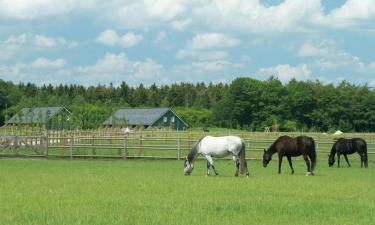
x=271, y=150
x=333, y=149
x=194, y=150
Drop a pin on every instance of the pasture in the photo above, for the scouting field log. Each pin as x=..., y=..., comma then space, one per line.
x=39, y=191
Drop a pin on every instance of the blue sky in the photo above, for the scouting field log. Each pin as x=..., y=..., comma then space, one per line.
x=166, y=41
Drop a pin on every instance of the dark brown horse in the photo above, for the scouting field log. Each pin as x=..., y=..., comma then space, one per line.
x=346, y=147
x=292, y=147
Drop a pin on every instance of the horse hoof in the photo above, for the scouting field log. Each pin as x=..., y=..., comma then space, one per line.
x=308, y=174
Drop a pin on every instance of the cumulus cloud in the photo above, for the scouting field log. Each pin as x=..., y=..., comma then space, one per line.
x=118, y=67
x=44, y=63
x=285, y=72
x=38, y=40
x=351, y=13
x=308, y=49
x=201, y=55
x=16, y=40
x=181, y=25
x=111, y=38
x=213, y=40
x=239, y=15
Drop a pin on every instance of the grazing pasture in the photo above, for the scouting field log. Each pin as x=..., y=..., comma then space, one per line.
x=39, y=191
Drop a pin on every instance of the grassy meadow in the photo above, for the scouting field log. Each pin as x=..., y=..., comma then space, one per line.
x=39, y=191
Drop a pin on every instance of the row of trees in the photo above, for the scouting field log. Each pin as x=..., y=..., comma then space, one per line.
x=246, y=103
x=254, y=104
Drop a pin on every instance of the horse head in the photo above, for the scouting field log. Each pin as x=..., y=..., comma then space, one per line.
x=331, y=160
x=188, y=167
x=266, y=158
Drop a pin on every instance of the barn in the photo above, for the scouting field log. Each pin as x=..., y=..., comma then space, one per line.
x=146, y=117
x=55, y=118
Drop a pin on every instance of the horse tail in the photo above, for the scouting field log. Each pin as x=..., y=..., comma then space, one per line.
x=242, y=158
x=313, y=155
x=365, y=155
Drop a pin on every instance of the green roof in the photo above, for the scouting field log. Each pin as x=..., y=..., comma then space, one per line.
x=136, y=116
x=35, y=115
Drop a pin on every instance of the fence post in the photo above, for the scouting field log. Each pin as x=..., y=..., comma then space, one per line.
x=71, y=146
x=178, y=149
x=125, y=147
x=93, y=151
x=16, y=144
x=46, y=146
x=140, y=145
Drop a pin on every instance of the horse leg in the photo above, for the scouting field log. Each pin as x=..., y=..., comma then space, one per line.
x=208, y=168
x=308, y=164
x=280, y=161
x=209, y=159
x=247, y=170
x=346, y=158
x=290, y=163
x=238, y=168
x=338, y=159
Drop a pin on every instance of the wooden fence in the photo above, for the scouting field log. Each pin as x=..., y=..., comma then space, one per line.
x=123, y=146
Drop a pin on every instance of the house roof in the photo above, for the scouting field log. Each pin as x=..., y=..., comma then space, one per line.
x=35, y=115
x=136, y=116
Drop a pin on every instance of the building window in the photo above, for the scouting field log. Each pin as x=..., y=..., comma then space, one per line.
x=164, y=119
x=172, y=119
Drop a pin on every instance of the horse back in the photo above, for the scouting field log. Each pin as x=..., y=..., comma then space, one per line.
x=348, y=146
x=294, y=146
x=220, y=146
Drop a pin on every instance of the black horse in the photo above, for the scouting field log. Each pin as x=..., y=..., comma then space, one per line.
x=346, y=147
x=292, y=147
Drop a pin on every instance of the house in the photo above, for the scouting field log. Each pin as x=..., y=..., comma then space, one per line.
x=56, y=118
x=146, y=117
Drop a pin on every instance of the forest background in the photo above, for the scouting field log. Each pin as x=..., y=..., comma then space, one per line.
x=246, y=103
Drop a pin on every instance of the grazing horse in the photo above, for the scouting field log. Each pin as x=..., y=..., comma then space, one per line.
x=291, y=147
x=218, y=147
x=346, y=147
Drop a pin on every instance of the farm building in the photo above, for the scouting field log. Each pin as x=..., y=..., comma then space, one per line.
x=146, y=117
x=56, y=118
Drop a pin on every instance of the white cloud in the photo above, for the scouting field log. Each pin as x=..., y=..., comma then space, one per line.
x=308, y=49
x=110, y=63
x=351, y=13
x=202, y=55
x=111, y=38
x=213, y=40
x=44, y=41
x=130, y=39
x=50, y=42
x=16, y=40
x=44, y=63
x=181, y=25
x=286, y=72
x=37, y=9
x=108, y=37
x=111, y=68
x=118, y=67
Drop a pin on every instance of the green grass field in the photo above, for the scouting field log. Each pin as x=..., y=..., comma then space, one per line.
x=38, y=191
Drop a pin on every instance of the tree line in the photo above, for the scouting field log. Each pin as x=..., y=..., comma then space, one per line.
x=244, y=104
